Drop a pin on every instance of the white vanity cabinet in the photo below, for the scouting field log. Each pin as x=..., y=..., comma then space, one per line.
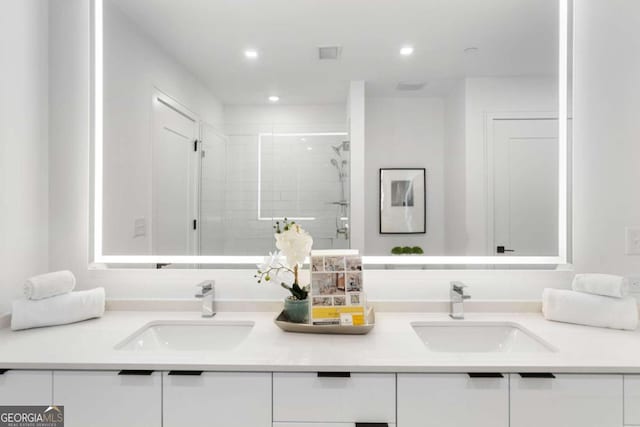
x=216, y=399
x=333, y=399
x=25, y=387
x=453, y=400
x=632, y=400
x=109, y=398
x=567, y=400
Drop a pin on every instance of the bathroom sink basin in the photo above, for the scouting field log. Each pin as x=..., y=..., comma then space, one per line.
x=187, y=336
x=479, y=337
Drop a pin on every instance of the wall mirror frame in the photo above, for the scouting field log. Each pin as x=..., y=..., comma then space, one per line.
x=99, y=258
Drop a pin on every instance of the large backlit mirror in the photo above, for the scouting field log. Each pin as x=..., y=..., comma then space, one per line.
x=417, y=131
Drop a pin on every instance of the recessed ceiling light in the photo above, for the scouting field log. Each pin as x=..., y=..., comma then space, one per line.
x=406, y=50
x=274, y=98
x=309, y=148
x=251, y=54
x=471, y=49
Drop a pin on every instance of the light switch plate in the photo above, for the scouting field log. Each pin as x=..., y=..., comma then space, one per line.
x=632, y=240
x=634, y=284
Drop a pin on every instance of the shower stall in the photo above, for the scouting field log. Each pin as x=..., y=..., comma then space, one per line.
x=253, y=176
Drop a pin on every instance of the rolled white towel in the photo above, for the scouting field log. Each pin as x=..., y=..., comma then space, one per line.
x=591, y=310
x=58, y=310
x=49, y=285
x=601, y=284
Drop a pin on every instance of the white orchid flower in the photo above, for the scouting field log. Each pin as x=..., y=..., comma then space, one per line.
x=295, y=243
x=277, y=270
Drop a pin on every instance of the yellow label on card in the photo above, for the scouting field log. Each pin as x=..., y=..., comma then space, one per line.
x=358, y=319
x=334, y=312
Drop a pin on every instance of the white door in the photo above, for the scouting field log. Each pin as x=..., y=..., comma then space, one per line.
x=453, y=400
x=525, y=187
x=567, y=401
x=174, y=181
x=107, y=399
x=212, y=399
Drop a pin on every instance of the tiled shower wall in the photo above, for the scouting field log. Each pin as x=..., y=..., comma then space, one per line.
x=295, y=181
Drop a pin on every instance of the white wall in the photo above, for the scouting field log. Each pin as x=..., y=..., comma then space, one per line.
x=356, y=112
x=606, y=104
x=135, y=67
x=405, y=133
x=454, y=171
x=23, y=144
x=606, y=134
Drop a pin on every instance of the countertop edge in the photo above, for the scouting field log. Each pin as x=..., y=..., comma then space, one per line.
x=515, y=369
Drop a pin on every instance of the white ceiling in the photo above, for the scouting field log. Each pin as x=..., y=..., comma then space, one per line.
x=514, y=37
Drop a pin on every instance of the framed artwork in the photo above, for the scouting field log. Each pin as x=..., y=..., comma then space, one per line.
x=403, y=201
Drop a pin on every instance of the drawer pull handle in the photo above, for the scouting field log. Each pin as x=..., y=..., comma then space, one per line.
x=186, y=373
x=536, y=375
x=485, y=375
x=372, y=424
x=334, y=375
x=3, y=371
x=135, y=372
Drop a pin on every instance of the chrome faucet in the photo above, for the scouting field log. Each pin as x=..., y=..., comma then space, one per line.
x=457, y=296
x=207, y=294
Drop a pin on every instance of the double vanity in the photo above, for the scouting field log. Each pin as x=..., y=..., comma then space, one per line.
x=148, y=368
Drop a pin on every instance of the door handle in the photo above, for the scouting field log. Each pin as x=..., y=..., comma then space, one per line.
x=536, y=375
x=334, y=374
x=372, y=424
x=502, y=249
x=186, y=373
x=135, y=372
x=485, y=375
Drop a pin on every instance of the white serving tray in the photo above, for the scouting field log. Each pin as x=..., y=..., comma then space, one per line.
x=307, y=328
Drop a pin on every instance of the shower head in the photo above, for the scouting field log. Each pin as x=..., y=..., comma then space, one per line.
x=337, y=149
x=334, y=162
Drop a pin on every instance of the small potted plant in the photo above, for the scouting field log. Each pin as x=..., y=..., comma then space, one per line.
x=407, y=250
x=294, y=245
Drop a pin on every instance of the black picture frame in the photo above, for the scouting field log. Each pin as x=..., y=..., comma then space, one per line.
x=390, y=205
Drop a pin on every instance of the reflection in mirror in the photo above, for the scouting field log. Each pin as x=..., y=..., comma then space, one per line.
x=221, y=118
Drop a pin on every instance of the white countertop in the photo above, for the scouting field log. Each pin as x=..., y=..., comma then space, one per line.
x=392, y=346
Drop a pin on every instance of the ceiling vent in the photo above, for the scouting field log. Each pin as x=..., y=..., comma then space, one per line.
x=329, y=52
x=410, y=86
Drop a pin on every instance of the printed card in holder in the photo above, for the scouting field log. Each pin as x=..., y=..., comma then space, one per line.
x=337, y=294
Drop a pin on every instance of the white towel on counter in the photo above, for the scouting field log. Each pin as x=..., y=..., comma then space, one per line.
x=49, y=285
x=601, y=284
x=58, y=310
x=591, y=310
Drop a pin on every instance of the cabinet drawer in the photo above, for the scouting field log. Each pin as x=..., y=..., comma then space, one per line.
x=436, y=400
x=309, y=397
x=632, y=400
x=231, y=399
x=109, y=398
x=325, y=425
x=567, y=400
x=26, y=388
